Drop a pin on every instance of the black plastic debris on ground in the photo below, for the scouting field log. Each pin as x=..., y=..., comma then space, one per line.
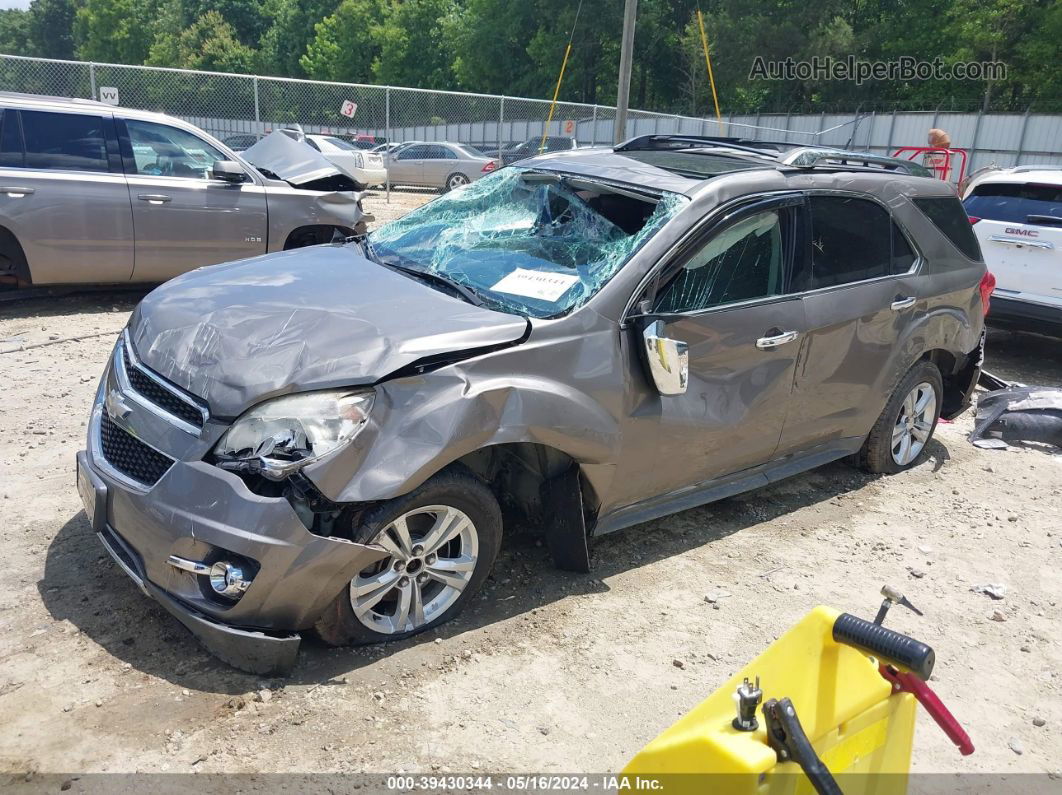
x=1019, y=414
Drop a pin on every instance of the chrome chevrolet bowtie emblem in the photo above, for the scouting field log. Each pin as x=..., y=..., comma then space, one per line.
x=117, y=408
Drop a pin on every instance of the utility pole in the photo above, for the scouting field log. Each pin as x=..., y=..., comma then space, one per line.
x=630, y=11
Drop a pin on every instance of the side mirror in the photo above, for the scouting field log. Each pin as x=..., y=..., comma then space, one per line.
x=669, y=360
x=228, y=171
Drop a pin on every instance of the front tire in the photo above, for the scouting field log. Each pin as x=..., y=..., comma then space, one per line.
x=442, y=538
x=906, y=425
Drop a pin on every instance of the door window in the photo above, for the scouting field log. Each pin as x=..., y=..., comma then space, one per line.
x=436, y=152
x=11, y=154
x=64, y=141
x=851, y=241
x=742, y=262
x=903, y=258
x=163, y=151
x=413, y=153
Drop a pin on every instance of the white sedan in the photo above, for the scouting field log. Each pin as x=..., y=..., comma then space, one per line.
x=366, y=167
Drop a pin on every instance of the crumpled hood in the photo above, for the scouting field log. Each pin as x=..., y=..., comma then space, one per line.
x=293, y=161
x=312, y=318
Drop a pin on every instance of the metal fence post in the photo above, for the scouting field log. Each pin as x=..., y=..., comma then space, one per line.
x=1021, y=137
x=387, y=124
x=976, y=135
x=92, y=80
x=593, y=127
x=501, y=123
x=257, y=114
x=892, y=126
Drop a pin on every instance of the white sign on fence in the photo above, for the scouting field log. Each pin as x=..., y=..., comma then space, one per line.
x=348, y=108
x=109, y=95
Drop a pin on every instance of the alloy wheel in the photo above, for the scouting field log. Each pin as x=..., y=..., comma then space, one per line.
x=433, y=554
x=914, y=423
x=457, y=180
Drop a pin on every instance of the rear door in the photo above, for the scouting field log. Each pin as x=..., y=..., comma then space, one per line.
x=183, y=217
x=728, y=298
x=64, y=197
x=439, y=163
x=859, y=298
x=1019, y=228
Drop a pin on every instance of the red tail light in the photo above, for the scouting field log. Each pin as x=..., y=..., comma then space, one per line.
x=489, y=166
x=988, y=284
x=973, y=219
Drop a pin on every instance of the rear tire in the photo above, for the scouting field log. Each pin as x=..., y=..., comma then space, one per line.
x=906, y=425
x=443, y=538
x=455, y=181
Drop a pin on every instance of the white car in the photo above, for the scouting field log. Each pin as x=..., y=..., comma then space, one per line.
x=1017, y=216
x=366, y=167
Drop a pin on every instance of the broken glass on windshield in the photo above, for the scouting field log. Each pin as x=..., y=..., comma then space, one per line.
x=535, y=243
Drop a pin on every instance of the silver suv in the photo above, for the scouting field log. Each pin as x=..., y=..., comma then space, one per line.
x=95, y=193
x=334, y=438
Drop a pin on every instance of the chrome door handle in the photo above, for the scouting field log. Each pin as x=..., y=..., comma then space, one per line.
x=903, y=303
x=154, y=198
x=14, y=192
x=764, y=343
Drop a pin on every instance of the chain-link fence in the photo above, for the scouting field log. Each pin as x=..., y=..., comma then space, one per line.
x=228, y=104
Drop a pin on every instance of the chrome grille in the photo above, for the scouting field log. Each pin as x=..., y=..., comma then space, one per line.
x=130, y=456
x=156, y=390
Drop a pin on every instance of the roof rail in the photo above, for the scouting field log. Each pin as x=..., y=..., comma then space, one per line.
x=811, y=156
x=643, y=143
x=1036, y=167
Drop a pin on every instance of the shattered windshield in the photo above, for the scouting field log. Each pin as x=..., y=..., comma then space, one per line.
x=528, y=242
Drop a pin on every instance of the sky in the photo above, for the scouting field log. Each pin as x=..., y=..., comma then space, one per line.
x=14, y=3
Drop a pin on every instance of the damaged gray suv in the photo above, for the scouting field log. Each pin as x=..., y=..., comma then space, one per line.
x=334, y=438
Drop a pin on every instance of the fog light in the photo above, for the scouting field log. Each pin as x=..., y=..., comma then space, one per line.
x=227, y=580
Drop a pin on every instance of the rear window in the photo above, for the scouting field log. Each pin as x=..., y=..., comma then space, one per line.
x=67, y=141
x=1016, y=202
x=950, y=217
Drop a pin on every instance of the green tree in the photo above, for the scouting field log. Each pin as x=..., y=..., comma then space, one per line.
x=346, y=44
x=119, y=31
x=51, y=25
x=210, y=43
x=15, y=31
x=293, y=28
x=414, y=45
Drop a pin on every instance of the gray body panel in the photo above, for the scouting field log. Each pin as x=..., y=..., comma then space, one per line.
x=95, y=227
x=320, y=317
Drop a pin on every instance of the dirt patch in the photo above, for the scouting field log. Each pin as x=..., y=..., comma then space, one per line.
x=546, y=671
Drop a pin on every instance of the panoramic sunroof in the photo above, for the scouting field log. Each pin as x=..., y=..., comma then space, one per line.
x=695, y=164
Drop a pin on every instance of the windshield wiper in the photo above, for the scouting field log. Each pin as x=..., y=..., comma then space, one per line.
x=467, y=293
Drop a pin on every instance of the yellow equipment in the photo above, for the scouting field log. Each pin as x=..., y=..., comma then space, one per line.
x=857, y=721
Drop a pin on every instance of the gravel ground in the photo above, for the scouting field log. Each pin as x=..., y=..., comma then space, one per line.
x=548, y=671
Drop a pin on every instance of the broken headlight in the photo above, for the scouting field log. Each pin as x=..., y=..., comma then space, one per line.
x=280, y=436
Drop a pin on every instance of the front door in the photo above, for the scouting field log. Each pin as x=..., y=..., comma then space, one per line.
x=184, y=218
x=407, y=167
x=861, y=296
x=727, y=297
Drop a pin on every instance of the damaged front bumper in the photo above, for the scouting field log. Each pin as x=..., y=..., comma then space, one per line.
x=196, y=512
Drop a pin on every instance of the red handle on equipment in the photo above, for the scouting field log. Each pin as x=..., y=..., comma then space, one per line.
x=910, y=683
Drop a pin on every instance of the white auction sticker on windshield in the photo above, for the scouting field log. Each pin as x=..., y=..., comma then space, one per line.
x=536, y=284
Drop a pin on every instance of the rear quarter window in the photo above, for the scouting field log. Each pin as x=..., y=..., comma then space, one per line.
x=949, y=216
x=1015, y=202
